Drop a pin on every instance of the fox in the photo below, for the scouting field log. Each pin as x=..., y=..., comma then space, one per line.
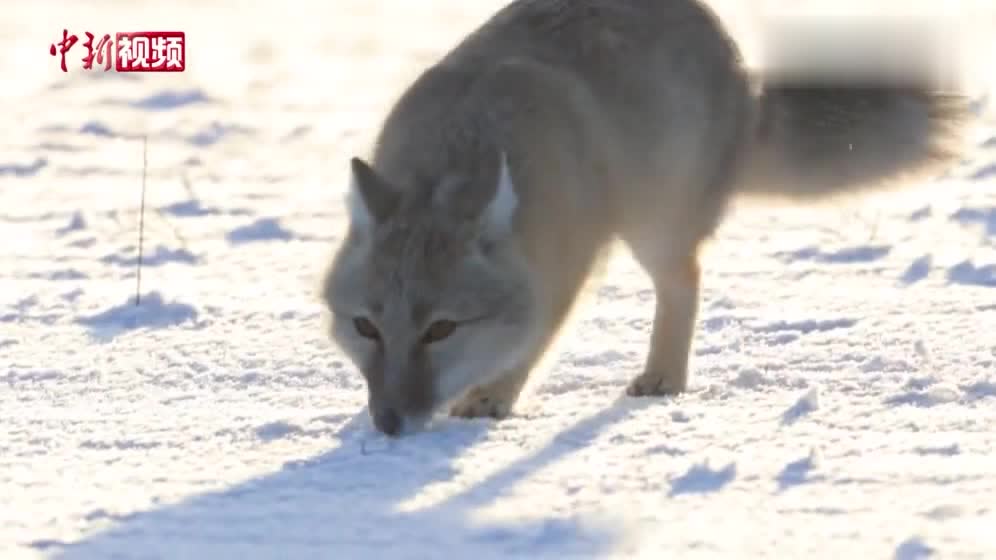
x=510, y=165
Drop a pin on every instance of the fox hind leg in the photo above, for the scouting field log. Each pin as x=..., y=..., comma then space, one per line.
x=676, y=286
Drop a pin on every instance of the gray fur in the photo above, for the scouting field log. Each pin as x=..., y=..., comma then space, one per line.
x=504, y=172
x=818, y=140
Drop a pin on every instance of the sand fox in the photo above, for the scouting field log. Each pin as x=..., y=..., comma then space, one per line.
x=507, y=168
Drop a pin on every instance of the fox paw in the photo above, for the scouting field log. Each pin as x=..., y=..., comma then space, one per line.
x=477, y=404
x=651, y=384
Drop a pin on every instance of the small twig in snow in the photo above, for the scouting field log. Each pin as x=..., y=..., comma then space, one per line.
x=141, y=220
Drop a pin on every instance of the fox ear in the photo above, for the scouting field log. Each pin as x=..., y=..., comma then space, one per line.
x=491, y=206
x=499, y=212
x=371, y=199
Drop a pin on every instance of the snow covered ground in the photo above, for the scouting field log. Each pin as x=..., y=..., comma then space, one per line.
x=844, y=398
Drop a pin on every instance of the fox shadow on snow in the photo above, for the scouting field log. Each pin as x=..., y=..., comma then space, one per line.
x=348, y=503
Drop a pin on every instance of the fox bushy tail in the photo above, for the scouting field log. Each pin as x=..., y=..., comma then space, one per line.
x=860, y=124
x=815, y=141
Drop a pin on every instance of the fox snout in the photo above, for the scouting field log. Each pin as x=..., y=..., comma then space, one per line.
x=395, y=421
x=399, y=403
x=388, y=420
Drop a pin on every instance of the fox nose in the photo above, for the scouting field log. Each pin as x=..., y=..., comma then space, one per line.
x=388, y=421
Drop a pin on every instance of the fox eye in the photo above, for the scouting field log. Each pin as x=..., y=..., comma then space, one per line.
x=438, y=331
x=365, y=328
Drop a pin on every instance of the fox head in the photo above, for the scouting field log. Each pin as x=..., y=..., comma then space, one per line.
x=428, y=294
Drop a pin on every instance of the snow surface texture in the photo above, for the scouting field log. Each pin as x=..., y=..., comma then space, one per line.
x=844, y=373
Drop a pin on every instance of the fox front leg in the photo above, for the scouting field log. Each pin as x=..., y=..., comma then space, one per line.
x=494, y=400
